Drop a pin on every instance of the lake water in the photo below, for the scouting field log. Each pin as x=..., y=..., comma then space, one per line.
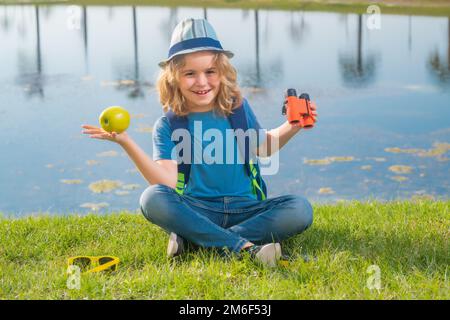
x=383, y=100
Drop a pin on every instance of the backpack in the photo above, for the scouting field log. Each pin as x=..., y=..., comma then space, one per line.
x=238, y=120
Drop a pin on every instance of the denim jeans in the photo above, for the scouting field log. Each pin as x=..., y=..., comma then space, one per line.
x=226, y=222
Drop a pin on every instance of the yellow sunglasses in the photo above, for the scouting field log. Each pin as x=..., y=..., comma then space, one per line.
x=99, y=263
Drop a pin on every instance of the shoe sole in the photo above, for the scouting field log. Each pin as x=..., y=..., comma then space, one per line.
x=269, y=254
x=278, y=253
x=172, y=246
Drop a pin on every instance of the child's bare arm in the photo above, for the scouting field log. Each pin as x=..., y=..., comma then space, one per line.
x=155, y=172
x=276, y=139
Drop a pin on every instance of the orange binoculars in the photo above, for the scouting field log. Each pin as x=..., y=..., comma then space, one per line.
x=298, y=110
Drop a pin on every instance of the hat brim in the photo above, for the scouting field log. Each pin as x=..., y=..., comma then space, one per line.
x=229, y=54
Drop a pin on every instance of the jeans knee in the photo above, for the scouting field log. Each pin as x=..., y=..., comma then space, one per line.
x=154, y=200
x=309, y=214
x=302, y=213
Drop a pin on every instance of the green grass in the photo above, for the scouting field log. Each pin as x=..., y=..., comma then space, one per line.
x=407, y=7
x=408, y=241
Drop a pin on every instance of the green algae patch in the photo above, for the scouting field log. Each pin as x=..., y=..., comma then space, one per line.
x=326, y=191
x=94, y=206
x=437, y=151
x=92, y=162
x=103, y=186
x=399, y=178
x=328, y=160
x=71, y=181
x=401, y=169
x=131, y=186
x=400, y=150
x=111, y=153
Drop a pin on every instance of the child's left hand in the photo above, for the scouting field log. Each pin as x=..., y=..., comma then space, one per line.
x=313, y=115
x=314, y=112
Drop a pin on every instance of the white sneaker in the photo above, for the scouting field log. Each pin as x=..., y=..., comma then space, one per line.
x=175, y=246
x=268, y=254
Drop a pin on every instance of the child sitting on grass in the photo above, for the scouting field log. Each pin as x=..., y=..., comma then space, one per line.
x=196, y=200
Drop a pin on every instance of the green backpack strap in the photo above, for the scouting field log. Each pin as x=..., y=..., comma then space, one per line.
x=184, y=169
x=238, y=120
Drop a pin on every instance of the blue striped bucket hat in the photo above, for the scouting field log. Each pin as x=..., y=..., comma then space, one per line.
x=192, y=35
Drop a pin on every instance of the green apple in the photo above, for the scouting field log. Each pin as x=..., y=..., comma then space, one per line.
x=115, y=119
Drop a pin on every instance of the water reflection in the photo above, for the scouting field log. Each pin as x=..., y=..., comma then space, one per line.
x=409, y=35
x=128, y=77
x=4, y=20
x=348, y=69
x=298, y=28
x=85, y=39
x=32, y=80
x=253, y=76
x=258, y=69
x=358, y=69
x=169, y=23
x=137, y=90
x=440, y=66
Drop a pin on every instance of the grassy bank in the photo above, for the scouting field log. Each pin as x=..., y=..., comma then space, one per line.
x=408, y=241
x=409, y=7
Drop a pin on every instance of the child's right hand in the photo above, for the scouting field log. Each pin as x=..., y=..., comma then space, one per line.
x=100, y=133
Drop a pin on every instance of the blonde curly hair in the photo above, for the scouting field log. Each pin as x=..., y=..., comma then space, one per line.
x=229, y=96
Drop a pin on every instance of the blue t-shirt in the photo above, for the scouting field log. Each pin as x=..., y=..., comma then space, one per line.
x=215, y=172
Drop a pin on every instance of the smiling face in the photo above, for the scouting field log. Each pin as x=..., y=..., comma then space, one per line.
x=199, y=81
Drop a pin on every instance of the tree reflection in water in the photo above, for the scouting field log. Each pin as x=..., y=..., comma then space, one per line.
x=298, y=28
x=254, y=77
x=135, y=85
x=32, y=82
x=440, y=67
x=359, y=70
